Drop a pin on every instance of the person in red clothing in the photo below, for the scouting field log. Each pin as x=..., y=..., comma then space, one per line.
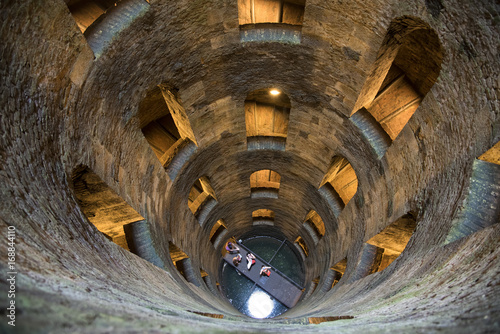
x=265, y=270
x=250, y=260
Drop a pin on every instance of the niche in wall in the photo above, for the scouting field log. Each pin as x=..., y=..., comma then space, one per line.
x=381, y=250
x=208, y=283
x=336, y=272
x=301, y=246
x=218, y=233
x=201, y=199
x=407, y=66
x=271, y=11
x=102, y=206
x=102, y=20
x=393, y=239
x=263, y=217
x=271, y=20
x=265, y=183
x=339, y=184
x=314, y=226
x=314, y=284
x=183, y=263
x=312, y=287
x=481, y=206
x=266, y=119
x=166, y=127
x=86, y=12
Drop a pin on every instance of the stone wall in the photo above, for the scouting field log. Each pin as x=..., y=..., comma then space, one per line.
x=61, y=109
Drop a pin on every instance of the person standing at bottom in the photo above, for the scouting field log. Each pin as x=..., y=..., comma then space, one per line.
x=250, y=260
x=265, y=271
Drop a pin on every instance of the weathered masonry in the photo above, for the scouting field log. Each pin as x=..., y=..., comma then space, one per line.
x=139, y=136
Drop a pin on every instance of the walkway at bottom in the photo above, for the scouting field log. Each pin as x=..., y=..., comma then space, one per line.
x=277, y=285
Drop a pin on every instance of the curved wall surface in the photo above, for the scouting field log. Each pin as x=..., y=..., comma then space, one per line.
x=70, y=100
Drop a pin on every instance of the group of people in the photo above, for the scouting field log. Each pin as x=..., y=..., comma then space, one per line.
x=233, y=249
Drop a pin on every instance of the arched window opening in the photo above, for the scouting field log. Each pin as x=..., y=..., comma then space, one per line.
x=370, y=258
x=165, y=126
x=271, y=11
x=219, y=288
x=407, y=66
x=342, y=177
x=336, y=272
x=101, y=20
x=314, y=284
x=312, y=287
x=314, y=226
x=481, y=206
x=301, y=246
x=208, y=282
x=393, y=239
x=281, y=19
x=201, y=199
x=263, y=217
x=86, y=12
x=218, y=233
x=266, y=117
x=265, y=183
x=102, y=206
x=183, y=263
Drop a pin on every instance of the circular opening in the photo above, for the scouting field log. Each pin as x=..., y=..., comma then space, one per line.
x=250, y=290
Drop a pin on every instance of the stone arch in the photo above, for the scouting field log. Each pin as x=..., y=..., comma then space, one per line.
x=201, y=199
x=265, y=183
x=394, y=238
x=182, y=262
x=263, y=217
x=87, y=12
x=339, y=184
x=102, y=20
x=382, y=249
x=481, y=206
x=334, y=274
x=105, y=209
x=301, y=246
x=218, y=233
x=266, y=119
x=166, y=127
x=281, y=20
x=271, y=11
x=407, y=66
x=315, y=226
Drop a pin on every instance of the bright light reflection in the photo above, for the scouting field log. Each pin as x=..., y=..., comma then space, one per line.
x=274, y=92
x=260, y=305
